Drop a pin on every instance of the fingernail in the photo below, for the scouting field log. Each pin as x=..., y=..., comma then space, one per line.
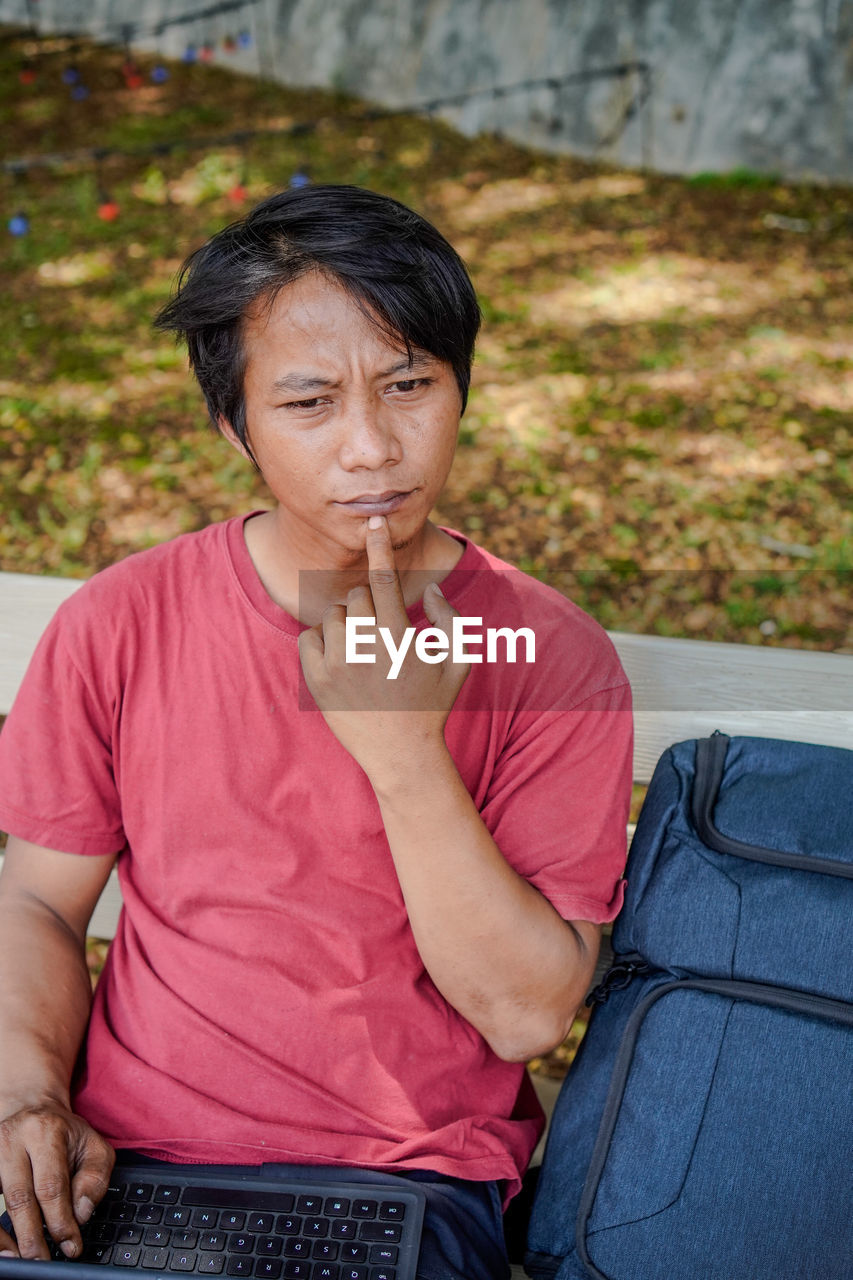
x=437, y=589
x=7, y=1253
x=69, y=1248
x=83, y=1209
x=375, y=522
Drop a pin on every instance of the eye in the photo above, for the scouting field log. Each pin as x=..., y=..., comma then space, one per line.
x=408, y=385
x=303, y=404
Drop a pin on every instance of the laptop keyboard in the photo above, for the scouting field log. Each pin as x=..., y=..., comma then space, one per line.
x=296, y=1231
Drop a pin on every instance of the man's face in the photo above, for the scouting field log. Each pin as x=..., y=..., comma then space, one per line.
x=341, y=424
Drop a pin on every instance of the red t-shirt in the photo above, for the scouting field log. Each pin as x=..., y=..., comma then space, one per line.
x=263, y=999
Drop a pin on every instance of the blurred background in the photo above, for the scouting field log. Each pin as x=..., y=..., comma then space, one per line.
x=653, y=200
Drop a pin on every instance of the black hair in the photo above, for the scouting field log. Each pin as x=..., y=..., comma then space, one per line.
x=399, y=269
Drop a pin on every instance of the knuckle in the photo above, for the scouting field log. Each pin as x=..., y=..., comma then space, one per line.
x=383, y=577
x=50, y=1188
x=30, y=1244
x=18, y=1198
x=96, y=1186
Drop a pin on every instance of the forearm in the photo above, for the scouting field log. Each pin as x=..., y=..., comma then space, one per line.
x=493, y=945
x=45, y=998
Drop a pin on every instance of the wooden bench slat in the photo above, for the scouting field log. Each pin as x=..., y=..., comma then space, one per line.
x=27, y=603
x=688, y=688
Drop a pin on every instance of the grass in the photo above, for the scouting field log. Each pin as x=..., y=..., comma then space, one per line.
x=663, y=388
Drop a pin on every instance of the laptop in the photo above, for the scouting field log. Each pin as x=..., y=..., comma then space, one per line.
x=306, y=1225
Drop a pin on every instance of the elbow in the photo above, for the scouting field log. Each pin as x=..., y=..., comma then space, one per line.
x=531, y=1037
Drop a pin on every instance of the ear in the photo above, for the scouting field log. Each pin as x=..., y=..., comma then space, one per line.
x=231, y=436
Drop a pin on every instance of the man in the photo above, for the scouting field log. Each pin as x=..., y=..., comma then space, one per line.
x=358, y=896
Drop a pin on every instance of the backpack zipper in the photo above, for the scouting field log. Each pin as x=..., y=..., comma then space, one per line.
x=756, y=992
x=710, y=763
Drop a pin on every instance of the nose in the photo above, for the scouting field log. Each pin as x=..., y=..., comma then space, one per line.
x=369, y=438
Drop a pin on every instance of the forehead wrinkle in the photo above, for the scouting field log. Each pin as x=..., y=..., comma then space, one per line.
x=417, y=359
x=313, y=382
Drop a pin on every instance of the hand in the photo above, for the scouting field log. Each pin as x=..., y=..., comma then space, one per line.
x=54, y=1168
x=383, y=723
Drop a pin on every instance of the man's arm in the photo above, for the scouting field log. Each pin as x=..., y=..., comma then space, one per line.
x=53, y=1166
x=494, y=946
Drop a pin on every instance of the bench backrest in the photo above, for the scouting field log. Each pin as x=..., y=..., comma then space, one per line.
x=682, y=688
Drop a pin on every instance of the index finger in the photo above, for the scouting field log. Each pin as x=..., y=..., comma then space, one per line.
x=24, y=1207
x=383, y=576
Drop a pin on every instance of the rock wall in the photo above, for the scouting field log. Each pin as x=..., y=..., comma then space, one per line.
x=757, y=84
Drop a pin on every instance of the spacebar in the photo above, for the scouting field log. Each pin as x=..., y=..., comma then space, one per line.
x=237, y=1198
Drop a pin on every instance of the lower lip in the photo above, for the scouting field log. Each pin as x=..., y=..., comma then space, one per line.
x=383, y=508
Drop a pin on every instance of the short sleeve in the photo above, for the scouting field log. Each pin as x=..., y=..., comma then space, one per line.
x=558, y=802
x=57, y=782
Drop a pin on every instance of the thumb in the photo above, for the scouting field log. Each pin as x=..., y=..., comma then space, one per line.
x=438, y=608
x=91, y=1177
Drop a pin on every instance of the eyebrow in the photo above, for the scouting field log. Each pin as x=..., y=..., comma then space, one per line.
x=303, y=382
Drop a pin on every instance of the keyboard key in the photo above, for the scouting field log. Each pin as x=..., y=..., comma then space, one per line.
x=335, y=1208
x=147, y=1213
x=233, y=1221
x=121, y=1212
x=204, y=1218
x=325, y=1250
x=240, y=1266
x=383, y=1273
x=167, y=1195
x=260, y=1222
x=345, y=1228
x=364, y=1209
x=357, y=1252
x=295, y=1247
x=185, y=1239
x=387, y=1232
x=352, y=1271
x=269, y=1246
x=238, y=1198
x=326, y=1271
x=268, y=1268
x=155, y=1259
x=139, y=1192
x=238, y=1242
x=105, y=1232
x=296, y=1270
x=392, y=1211
x=212, y=1241
x=211, y=1263
x=177, y=1217
x=384, y=1253
x=288, y=1225
x=309, y=1204
x=157, y=1237
x=99, y=1254
x=129, y=1235
x=315, y=1227
x=183, y=1260
x=123, y=1256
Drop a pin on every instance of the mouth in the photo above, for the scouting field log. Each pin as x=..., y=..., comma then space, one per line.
x=377, y=504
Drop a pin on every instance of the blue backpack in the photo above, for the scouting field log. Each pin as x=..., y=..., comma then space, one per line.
x=705, y=1130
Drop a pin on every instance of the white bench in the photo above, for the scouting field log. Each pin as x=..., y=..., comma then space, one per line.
x=682, y=689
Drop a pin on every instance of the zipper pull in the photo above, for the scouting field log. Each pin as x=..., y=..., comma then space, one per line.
x=618, y=976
